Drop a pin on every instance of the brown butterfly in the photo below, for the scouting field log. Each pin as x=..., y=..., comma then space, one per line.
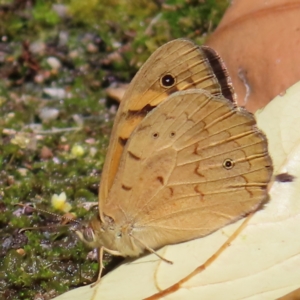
x=183, y=160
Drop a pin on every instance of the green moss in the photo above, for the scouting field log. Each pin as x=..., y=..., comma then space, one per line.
x=43, y=14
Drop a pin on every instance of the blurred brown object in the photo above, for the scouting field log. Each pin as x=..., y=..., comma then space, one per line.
x=116, y=93
x=260, y=43
x=295, y=295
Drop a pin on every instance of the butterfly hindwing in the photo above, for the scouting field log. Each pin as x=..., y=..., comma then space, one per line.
x=194, y=164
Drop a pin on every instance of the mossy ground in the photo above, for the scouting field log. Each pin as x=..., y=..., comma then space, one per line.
x=36, y=157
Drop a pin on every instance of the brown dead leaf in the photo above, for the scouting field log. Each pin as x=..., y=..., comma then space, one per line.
x=291, y=296
x=117, y=93
x=259, y=42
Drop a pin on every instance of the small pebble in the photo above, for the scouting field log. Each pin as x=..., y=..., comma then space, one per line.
x=48, y=114
x=54, y=63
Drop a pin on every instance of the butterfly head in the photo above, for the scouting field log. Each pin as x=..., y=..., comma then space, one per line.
x=97, y=233
x=110, y=235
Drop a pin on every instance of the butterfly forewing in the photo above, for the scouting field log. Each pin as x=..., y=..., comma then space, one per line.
x=189, y=65
x=192, y=165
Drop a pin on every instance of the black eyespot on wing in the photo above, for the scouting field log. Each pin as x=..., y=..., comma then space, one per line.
x=228, y=163
x=167, y=80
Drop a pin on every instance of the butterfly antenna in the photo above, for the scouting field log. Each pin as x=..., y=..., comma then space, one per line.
x=59, y=217
x=41, y=227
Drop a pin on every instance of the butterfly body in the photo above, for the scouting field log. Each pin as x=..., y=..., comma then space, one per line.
x=114, y=236
x=183, y=160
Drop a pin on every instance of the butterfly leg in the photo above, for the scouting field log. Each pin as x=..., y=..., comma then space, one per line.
x=151, y=250
x=100, y=259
